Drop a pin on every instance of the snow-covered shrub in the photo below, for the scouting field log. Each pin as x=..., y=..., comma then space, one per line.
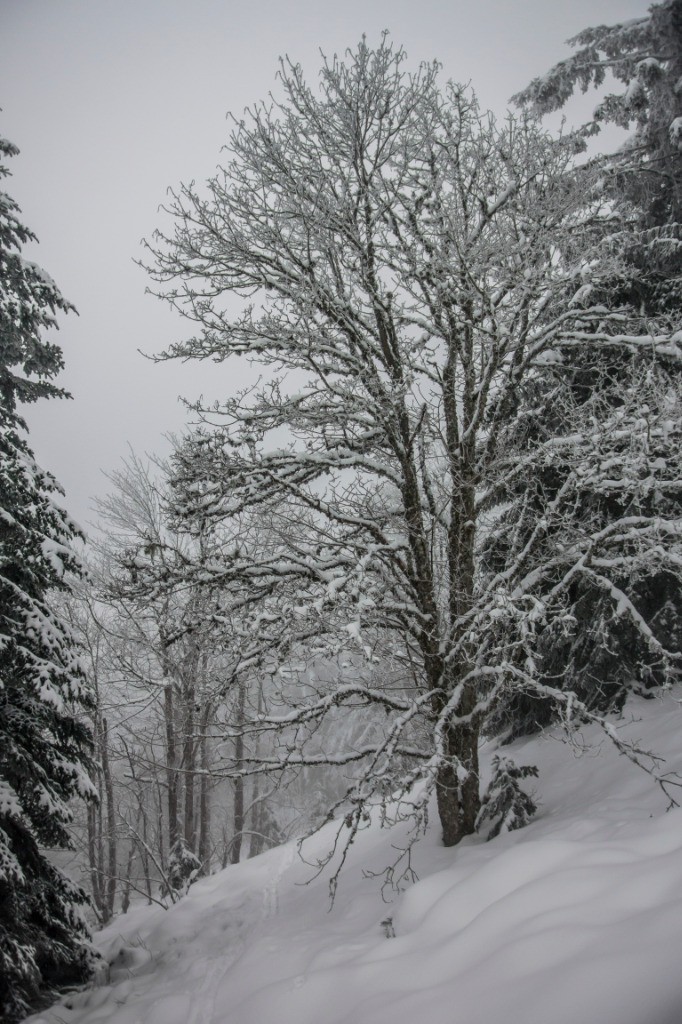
x=505, y=806
x=183, y=868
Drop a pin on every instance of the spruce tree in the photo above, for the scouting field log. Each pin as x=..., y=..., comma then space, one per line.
x=634, y=395
x=643, y=177
x=44, y=744
x=644, y=57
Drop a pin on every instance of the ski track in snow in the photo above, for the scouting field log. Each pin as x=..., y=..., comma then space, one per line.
x=132, y=975
x=204, y=1009
x=272, y=889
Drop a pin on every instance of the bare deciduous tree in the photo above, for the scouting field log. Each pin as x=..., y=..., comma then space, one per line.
x=405, y=265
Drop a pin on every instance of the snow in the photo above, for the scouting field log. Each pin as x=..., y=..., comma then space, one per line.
x=577, y=917
x=634, y=94
x=675, y=132
x=9, y=802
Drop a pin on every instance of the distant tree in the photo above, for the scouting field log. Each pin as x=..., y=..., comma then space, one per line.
x=44, y=746
x=182, y=663
x=406, y=266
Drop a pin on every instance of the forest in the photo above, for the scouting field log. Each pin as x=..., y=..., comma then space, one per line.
x=446, y=511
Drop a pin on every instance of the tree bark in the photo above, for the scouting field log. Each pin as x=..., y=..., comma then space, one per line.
x=171, y=769
x=94, y=839
x=204, y=852
x=188, y=763
x=112, y=870
x=457, y=785
x=144, y=854
x=236, y=848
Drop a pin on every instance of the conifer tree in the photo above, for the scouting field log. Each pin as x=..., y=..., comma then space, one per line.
x=644, y=176
x=44, y=744
x=633, y=395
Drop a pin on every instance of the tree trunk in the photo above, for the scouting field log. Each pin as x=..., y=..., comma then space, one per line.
x=171, y=770
x=94, y=824
x=125, y=895
x=188, y=763
x=457, y=785
x=236, y=848
x=144, y=855
x=99, y=830
x=112, y=871
x=160, y=827
x=204, y=852
x=226, y=850
x=257, y=841
x=94, y=840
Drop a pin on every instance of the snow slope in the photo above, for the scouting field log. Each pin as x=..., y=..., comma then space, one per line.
x=577, y=917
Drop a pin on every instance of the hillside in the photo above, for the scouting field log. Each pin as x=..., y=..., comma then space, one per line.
x=577, y=917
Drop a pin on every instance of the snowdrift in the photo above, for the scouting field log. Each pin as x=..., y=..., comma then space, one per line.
x=577, y=917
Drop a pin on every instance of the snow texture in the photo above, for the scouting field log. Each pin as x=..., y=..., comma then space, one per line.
x=577, y=917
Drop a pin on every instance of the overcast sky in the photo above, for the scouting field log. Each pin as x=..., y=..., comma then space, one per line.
x=112, y=101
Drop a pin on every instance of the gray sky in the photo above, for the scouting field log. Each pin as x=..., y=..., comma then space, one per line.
x=112, y=101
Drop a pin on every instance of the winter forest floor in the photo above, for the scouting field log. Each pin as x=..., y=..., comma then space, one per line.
x=577, y=917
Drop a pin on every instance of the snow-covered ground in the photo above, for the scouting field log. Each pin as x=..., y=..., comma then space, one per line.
x=576, y=918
